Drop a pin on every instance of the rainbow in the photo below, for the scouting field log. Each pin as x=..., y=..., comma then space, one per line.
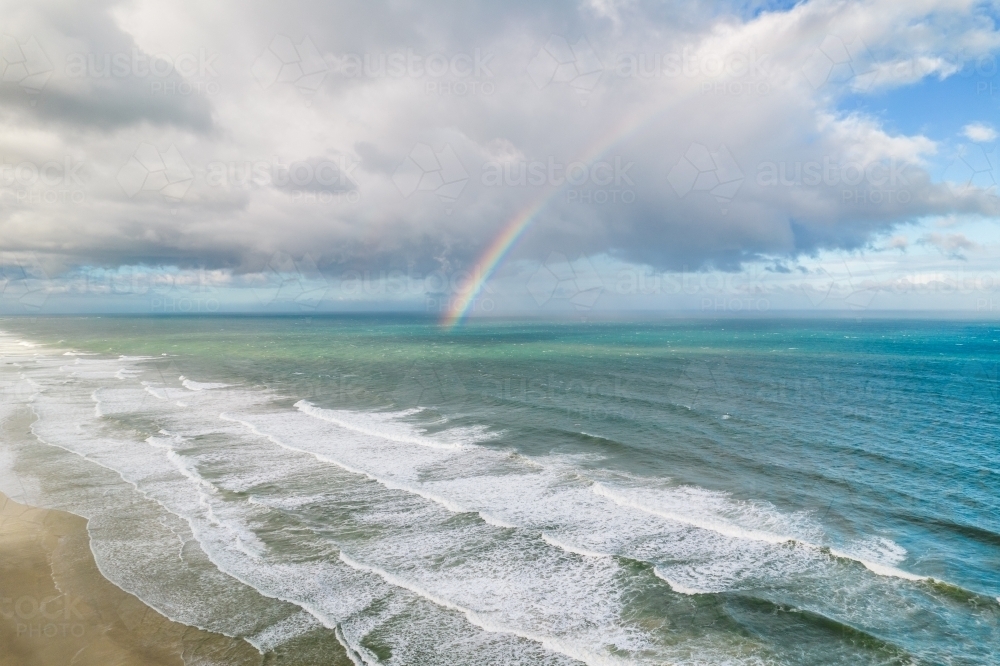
x=513, y=230
x=491, y=259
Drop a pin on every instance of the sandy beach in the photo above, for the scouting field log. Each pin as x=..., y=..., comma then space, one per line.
x=57, y=609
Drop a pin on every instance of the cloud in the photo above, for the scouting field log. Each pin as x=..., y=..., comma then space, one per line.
x=898, y=243
x=374, y=140
x=951, y=245
x=979, y=132
x=97, y=76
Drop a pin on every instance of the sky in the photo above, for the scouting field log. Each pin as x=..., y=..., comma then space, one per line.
x=474, y=159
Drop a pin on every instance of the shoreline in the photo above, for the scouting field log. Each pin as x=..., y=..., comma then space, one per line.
x=57, y=608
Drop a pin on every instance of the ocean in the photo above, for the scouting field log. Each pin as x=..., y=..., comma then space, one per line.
x=518, y=492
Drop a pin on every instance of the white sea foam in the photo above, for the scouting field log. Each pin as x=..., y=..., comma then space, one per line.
x=484, y=621
x=729, y=529
x=162, y=392
x=259, y=421
x=502, y=502
x=201, y=386
x=700, y=521
x=325, y=457
x=281, y=632
x=352, y=654
x=878, y=567
x=699, y=541
x=63, y=424
x=552, y=541
x=376, y=424
x=539, y=498
x=677, y=587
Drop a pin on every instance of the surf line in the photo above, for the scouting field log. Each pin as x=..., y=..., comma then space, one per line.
x=736, y=532
x=515, y=227
x=488, y=621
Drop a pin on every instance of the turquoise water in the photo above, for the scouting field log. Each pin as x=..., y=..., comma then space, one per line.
x=786, y=492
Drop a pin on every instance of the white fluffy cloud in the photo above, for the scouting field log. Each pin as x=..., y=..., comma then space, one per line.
x=406, y=134
x=979, y=132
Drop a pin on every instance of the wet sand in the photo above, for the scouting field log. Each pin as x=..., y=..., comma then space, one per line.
x=57, y=609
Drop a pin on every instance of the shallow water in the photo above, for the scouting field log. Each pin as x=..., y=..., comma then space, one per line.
x=792, y=492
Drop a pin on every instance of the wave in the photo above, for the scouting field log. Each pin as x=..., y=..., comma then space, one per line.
x=375, y=424
x=549, y=497
x=164, y=392
x=744, y=610
x=385, y=426
x=108, y=568
x=875, y=567
x=103, y=566
x=201, y=386
x=678, y=587
x=737, y=532
x=352, y=654
x=486, y=623
x=725, y=529
x=703, y=520
x=974, y=532
x=552, y=541
x=386, y=482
